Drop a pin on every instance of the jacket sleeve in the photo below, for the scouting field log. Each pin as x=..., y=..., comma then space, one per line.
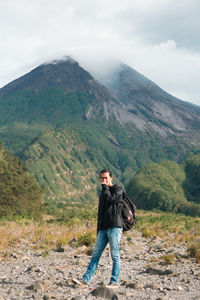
x=115, y=197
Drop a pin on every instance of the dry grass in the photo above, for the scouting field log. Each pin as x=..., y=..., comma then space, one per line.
x=178, y=228
x=168, y=259
x=45, y=237
x=194, y=251
x=173, y=229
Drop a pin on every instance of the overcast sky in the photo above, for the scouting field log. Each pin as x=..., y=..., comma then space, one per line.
x=158, y=38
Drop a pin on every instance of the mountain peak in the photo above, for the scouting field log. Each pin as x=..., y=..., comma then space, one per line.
x=59, y=92
x=65, y=74
x=62, y=60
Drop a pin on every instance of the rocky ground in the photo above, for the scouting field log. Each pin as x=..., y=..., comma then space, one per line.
x=149, y=270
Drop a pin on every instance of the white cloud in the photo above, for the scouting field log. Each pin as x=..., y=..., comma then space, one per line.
x=174, y=69
x=157, y=38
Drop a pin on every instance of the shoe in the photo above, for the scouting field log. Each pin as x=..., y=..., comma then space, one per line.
x=112, y=285
x=80, y=282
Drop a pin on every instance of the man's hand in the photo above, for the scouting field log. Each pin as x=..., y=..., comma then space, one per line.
x=103, y=185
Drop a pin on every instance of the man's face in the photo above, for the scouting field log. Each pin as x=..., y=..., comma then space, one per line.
x=105, y=178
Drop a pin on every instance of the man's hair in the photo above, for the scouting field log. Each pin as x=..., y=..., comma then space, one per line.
x=105, y=171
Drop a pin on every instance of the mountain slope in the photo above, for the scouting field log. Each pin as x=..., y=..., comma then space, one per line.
x=65, y=163
x=125, y=125
x=60, y=161
x=149, y=106
x=52, y=95
x=61, y=93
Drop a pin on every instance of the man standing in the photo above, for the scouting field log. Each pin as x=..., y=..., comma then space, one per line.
x=109, y=227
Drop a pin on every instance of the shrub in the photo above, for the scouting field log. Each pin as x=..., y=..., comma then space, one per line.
x=194, y=251
x=86, y=239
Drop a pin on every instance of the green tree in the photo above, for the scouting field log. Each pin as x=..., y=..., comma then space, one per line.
x=167, y=186
x=19, y=192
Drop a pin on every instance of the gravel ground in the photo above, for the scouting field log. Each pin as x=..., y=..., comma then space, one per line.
x=144, y=275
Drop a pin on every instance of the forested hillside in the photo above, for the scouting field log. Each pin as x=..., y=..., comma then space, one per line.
x=168, y=186
x=19, y=192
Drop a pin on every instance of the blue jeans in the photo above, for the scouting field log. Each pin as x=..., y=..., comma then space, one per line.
x=111, y=236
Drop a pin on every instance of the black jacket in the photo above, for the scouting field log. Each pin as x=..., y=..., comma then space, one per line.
x=110, y=207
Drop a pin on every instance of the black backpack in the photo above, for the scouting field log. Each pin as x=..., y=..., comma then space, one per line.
x=128, y=213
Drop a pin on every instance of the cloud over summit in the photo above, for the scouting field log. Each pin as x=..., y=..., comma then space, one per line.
x=157, y=38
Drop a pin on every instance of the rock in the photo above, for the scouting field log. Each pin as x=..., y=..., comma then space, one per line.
x=59, y=249
x=50, y=296
x=36, y=296
x=70, y=282
x=38, y=286
x=33, y=269
x=73, y=241
x=198, y=276
x=102, y=283
x=154, y=271
x=26, y=258
x=124, y=282
x=14, y=255
x=153, y=286
x=90, y=250
x=83, y=249
x=168, y=288
x=155, y=238
x=104, y=292
x=140, y=257
x=77, y=298
x=134, y=285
